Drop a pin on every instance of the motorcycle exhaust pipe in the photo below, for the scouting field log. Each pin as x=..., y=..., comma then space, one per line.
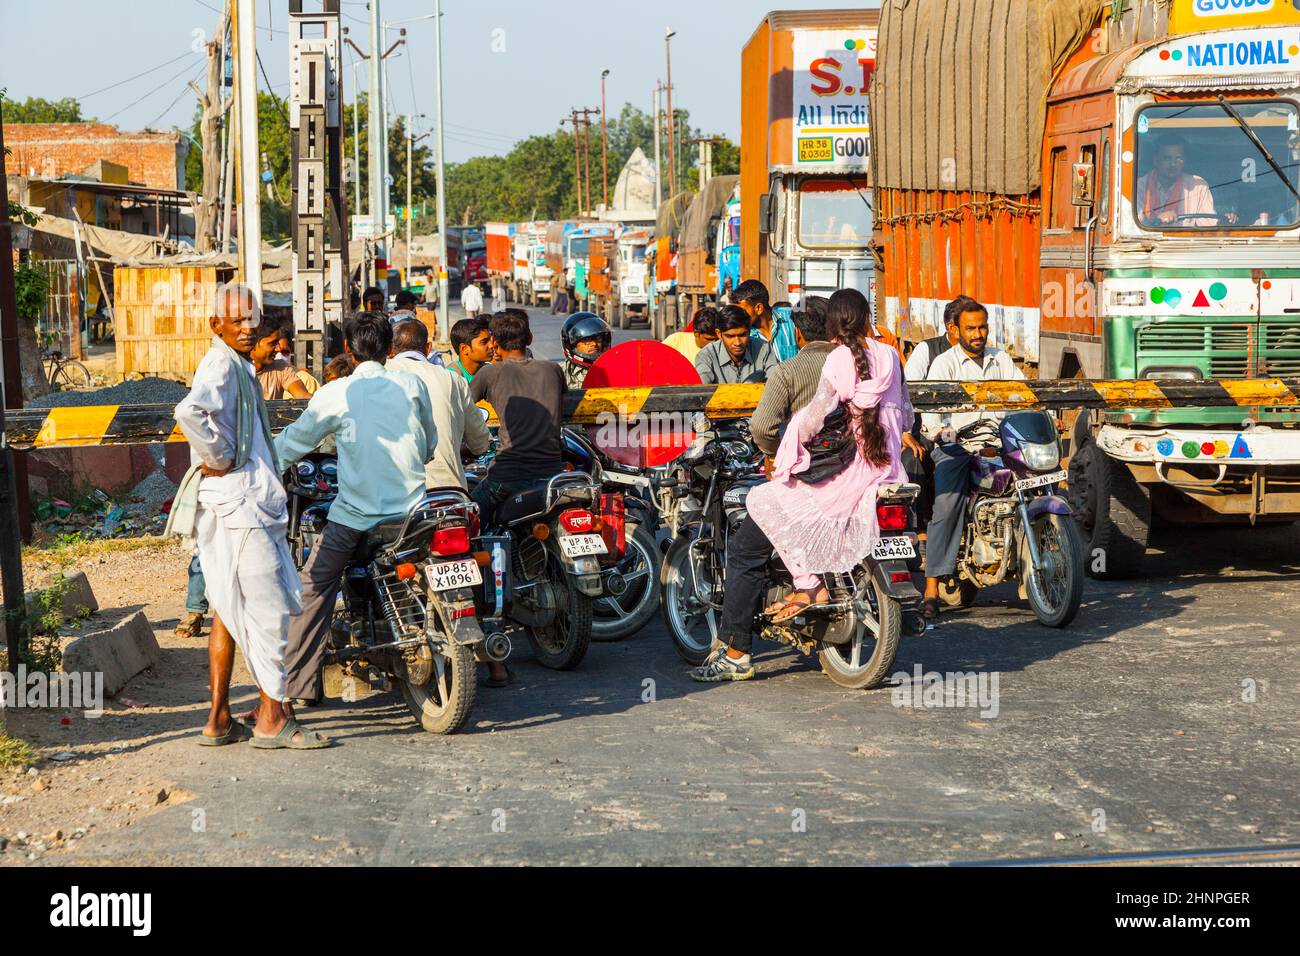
x=914, y=623
x=496, y=646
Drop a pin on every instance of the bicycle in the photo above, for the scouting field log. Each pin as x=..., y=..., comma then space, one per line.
x=64, y=373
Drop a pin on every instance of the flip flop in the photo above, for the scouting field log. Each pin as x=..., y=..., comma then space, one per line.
x=234, y=734
x=795, y=607
x=285, y=739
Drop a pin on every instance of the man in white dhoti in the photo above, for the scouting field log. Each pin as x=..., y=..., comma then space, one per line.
x=232, y=505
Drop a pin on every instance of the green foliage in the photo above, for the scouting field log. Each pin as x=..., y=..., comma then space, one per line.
x=32, y=290
x=14, y=752
x=36, y=110
x=40, y=649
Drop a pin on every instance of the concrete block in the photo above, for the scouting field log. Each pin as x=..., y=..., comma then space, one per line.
x=77, y=596
x=119, y=653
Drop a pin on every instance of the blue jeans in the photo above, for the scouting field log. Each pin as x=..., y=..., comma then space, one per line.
x=196, y=597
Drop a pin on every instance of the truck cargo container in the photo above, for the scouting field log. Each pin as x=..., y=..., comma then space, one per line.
x=567, y=254
x=697, y=247
x=500, y=257
x=805, y=191
x=532, y=276
x=1124, y=201
x=665, y=314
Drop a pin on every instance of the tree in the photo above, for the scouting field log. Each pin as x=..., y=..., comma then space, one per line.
x=36, y=110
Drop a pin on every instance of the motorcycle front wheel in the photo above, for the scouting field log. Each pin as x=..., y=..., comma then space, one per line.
x=563, y=643
x=691, y=621
x=1055, y=595
x=614, y=618
x=865, y=661
x=442, y=704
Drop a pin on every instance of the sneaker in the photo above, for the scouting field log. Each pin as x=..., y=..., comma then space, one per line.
x=720, y=667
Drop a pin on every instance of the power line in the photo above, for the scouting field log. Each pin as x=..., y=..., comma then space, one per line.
x=150, y=125
x=152, y=69
x=271, y=92
x=160, y=86
x=222, y=12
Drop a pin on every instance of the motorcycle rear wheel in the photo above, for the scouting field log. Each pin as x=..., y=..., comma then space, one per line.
x=443, y=704
x=691, y=623
x=563, y=644
x=865, y=661
x=1056, y=601
x=615, y=618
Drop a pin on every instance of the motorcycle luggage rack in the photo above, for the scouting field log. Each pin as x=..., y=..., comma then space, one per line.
x=438, y=505
x=580, y=481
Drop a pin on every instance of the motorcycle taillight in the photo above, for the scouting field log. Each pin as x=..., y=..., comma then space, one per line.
x=613, y=526
x=450, y=541
x=892, y=517
x=577, y=521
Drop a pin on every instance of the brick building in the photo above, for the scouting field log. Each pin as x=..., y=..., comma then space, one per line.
x=53, y=150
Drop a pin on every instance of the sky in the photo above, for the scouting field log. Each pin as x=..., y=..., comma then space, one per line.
x=513, y=68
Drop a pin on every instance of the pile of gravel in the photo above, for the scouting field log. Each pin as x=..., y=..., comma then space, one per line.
x=144, y=391
x=154, y=492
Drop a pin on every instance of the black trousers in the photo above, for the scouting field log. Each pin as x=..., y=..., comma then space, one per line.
x=748, y=552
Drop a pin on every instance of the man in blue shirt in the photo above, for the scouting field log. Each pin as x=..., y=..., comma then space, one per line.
x=384, y=429
x=774, y=325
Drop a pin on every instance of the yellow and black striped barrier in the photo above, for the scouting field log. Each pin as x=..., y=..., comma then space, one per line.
x=140, y=424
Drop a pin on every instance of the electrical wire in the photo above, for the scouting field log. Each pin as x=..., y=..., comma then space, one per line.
x=271, y=91
x=222, y=12
x=158, y=118
x=160, y=86
x=152, y=69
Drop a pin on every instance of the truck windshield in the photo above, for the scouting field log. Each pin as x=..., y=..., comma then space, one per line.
x=733, y=231
x=834, y=212
x=578, y=247
x=1197, y=168
x=638, y=253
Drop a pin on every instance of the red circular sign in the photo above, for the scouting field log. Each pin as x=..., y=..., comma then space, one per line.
x=641, y=443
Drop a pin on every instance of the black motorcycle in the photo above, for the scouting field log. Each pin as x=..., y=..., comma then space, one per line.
x=630, y=572
x=406, y=612
x=855, y=634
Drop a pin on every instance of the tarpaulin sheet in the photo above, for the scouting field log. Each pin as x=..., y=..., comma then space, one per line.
x=960, y=91
x=671, y=214
x=707, y=205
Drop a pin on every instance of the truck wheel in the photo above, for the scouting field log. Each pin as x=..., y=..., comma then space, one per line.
x=1113, y=512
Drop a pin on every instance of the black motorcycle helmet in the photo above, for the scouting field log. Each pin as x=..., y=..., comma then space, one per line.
x=579, y=327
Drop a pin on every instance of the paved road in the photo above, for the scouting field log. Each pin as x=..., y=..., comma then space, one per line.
x=1135, y=729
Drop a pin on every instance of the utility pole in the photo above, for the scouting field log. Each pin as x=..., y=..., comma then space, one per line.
x=585, y=114
x=443, y=304
x=213, y=108
x=250, y=207
x=672, y=151
x=604, y=145
x=659, y=168
x=377, y=135
x=11, y=545
x=577, y=157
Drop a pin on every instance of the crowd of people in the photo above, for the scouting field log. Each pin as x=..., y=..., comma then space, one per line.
x=400, y=419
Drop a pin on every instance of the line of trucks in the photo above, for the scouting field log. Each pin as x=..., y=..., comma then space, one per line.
x=1117, y=182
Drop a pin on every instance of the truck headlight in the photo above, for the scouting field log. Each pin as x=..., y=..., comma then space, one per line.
x=1128, y=297
x=1189, y=372
x=1042, y=457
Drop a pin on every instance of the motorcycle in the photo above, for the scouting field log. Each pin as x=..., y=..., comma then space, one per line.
x=630, y=573
x=406, y=608
x=1018, y=528
x=855, y=634
x=544, y=556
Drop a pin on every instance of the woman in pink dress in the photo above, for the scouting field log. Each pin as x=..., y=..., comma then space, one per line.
x=831, y=526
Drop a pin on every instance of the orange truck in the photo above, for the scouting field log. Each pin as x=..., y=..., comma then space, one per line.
x=665, y=306
x=500, y=258
x=1117, y=184
x=805, y=152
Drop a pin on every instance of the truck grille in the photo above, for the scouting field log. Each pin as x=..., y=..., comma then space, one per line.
x=1280, y=344
x=1222, y=350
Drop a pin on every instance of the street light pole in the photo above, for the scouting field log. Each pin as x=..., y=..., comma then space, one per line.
x=672, y=139
x=443, y=304
x=659, y=172
x=604, y=145
x=406, y=277
x=377, y=135
x=250, y=206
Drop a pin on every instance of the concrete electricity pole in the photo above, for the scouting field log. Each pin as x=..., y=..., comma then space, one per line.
x=659, y=167
x=377, y=135
x=604, y=145
x=250, y=206
x=443, y=304
x=672, y=139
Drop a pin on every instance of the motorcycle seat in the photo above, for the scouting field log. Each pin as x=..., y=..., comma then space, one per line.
x=531, y=503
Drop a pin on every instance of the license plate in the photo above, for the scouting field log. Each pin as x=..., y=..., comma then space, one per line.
x=889, y=549
x=581, y=545
x=454, y=574
x=1024, y=484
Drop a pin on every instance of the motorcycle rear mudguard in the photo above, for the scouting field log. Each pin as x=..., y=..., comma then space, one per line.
x=459, y=618
x=882, y=572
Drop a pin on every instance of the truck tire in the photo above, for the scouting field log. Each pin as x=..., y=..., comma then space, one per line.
x=1113, y=512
